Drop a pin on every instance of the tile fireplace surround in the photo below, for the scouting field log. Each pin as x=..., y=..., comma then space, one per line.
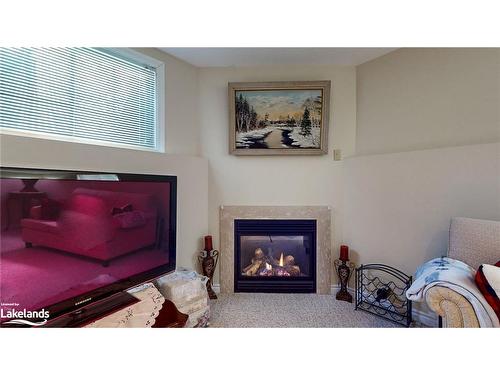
x=322, y=214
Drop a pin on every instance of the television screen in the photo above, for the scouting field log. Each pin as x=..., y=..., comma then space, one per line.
x=68, y=235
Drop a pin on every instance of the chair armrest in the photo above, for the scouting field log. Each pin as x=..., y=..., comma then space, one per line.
x=454, y=308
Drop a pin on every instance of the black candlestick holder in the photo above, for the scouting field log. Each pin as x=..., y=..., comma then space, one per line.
x=344, y=270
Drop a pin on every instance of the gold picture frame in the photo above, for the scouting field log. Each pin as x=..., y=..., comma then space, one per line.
x=279, y=118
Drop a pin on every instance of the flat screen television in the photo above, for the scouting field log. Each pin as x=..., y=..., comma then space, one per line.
x=72, y=238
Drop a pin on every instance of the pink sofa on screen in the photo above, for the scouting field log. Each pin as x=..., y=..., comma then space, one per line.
x=86, y=226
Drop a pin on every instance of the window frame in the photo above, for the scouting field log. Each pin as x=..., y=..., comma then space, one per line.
x=134, y=56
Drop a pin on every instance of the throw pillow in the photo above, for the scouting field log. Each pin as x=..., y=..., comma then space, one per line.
x=132, y=219
x=488, y=282
x=120, y=210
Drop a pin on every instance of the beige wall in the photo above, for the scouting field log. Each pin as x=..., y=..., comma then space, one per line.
x=427, y=149
x=398, y=206
x=182, y=146
x=414, y=99
x=275, y=180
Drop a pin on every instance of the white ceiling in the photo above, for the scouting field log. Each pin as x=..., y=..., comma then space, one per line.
x=213, y=57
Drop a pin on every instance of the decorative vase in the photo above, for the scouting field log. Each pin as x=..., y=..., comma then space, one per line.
x=344, y=270
x=208, y=259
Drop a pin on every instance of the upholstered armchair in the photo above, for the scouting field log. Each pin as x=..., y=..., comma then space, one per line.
x=474, y=242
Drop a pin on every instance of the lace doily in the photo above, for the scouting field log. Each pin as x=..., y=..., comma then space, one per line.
x=139, y=315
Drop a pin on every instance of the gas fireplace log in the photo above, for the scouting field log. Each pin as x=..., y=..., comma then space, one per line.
x=289, y=260
x=253, y=268
x=259, y=254
x=247, y=268
x=257, y=261
x=293, y=270
x=262, y=265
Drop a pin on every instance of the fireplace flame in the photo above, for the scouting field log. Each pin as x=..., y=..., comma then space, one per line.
x=281, y=260
x=268, y=266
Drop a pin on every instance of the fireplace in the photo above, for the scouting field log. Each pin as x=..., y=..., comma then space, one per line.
x=275, y=256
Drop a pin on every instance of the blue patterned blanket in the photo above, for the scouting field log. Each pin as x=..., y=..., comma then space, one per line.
x=458, y=276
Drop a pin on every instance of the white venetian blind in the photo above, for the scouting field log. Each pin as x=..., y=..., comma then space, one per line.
x=81, y=94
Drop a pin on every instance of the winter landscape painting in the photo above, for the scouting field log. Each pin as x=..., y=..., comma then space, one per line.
x=279, y=118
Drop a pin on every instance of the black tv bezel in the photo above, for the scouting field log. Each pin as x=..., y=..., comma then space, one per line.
x=75, y=303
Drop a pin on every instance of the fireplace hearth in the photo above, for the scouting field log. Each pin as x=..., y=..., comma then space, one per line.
x=275, y=256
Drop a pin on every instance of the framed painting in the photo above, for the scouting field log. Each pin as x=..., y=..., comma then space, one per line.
x=279, y=118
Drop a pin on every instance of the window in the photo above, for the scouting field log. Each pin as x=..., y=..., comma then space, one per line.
x=108, y=97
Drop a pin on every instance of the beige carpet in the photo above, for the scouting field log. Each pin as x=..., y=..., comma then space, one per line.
x=262, y=310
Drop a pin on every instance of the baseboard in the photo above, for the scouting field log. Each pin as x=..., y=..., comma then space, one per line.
x=425, y=318
x=335, y=288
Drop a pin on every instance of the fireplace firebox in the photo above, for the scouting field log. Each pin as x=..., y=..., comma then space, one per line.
x=275, y=256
